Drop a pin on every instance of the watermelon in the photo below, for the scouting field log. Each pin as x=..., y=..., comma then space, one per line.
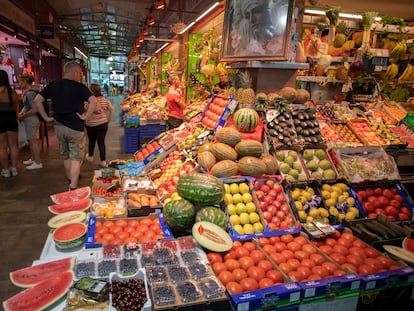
x=66, y=218
x=73, y=195
x=41, y=295
x=201, y=188
x=69, y=236
x=408, y=244
x=246, y=120
x=30, y=276
x=211, y=236
x=79, y=205
x=179, y=214
x=212, y=214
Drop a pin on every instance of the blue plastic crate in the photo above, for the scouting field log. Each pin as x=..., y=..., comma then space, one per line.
x=131, y=139
x=151, y=131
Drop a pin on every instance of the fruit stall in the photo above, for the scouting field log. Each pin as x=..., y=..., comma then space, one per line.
x=284, y=199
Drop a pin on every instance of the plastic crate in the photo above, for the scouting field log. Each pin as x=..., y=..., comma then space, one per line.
x=131, y=139
x=151, y=131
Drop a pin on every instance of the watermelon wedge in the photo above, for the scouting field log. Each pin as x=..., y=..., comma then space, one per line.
x=30, y=276
x=78, y=205
x=41, y=295
x=70, y=236
x=73, y=195
x=408, y=244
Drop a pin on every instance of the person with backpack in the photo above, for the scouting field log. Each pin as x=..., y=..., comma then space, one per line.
x=28, y=115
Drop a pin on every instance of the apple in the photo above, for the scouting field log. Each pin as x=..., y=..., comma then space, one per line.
x=265, y=189
x=281, y=198
x=290, y=220
x=272, y=210
x=368, y=207
x=267, y=216
x=391, y=210
x=272, y=193
x=272, y=226
x=372, y=215
x=263, y=205
x=284, y=225
x=278, y=188
x=281, y=215
x=395, y=203
x=285, y=208
x=378, y=192
x=388, y=193
x=275, y=220
x=268, y=199
x=380, y=211
x=270, y=183
x=277, y=205
x=260, y=194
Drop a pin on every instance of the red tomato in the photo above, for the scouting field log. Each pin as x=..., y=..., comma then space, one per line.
x=294, y=263
x=354, y=260
x=330, y=241
x=307, y=262
x=115, y=229
x=288, y=254
x=320, y=270
x=145, y=221
x=266, y=265
x=225, y=277
x=326, y=249
x=236, y=244
x=286, y=238
x=294, y=246
x=301, y=240
x=373, y=263
x=219, y=267
x=230, y=255
x=249, y=246
x=275, y=276
x=386, y=262
x=129, y=229
x=309, y=248
x=340, y=249
x=339, y=258
x=249, y=284
x=231, y=264
x=246, y=262
x=234, y=288
x=366, y=269
x=133, y=223
x=257, y=256
x=214, y=257
x=101, y=230
x=108, y=223
x=269, y=249
x=121, y=223
x=339, y=272
x=305, y=271
x=317, y=258
x=344, y=242
x=280, y=246
x=330, y=266
x=241, y=252
x=348, y=236
x=124, y=235
x=371, y=252
x=350, y=266
x=359, y=243
x=357, y=251
x=130, y=240
x=134, y=234
x=117, y=241
x=256, y=273
x=263, y=241
x=142, y=228
x=108, y=238
x=285, y=267
x=296, y=275
x=278, y=258
x=314, y=277
x=274, y=239
x=265, y=282
x=239, y=274
x=300, y=255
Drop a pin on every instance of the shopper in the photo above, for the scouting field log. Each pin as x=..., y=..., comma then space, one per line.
x=28, y=115
x=9, y=103
x=97, y=125
x=175, y=103
x=223, y=84
x=68, y=96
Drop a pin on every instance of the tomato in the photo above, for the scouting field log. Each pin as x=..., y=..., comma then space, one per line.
x=257, y=256
x=294, y=246
x=288, y=254
x=117, y=241
x=354, y=260
x=133, y=223
x=274, y=239
x=265, y=264
x=285, y=267
x=350, y=266
x=372, y=263
x=256, y=273
x=278, y=258
x=344, y=242
x=330, y=266
x=145, y=221
x=108, y=238
x=241, y=252
x=214, y=257
x=340, y=249
x=269, y=249
x=314, y=277
x=265, y=282
x=239, y=274
x=294, y=263
x=236, y=244
x=366, y=269
x=357, y=251
x=98, y=224
x=234, y=288
x=249, y=246
x=145, y=239
x=301, y=240
x=280, y=246
x=129, y=229
x=339, y=258
x=317, y=258
x=134, y=234
x=249, y=284
x=309, y=248
x=371, y=252
x=320, y=270
x=330, y=241
x=229, y=255
x=296, y=275
x=225, y=277
x=156, y=228
x=305, y=271
x=142, y=228
x=307, y=262
x=348, y=236
x=286, y=238
x=339, y=272
x=108, y=223
x=300, y=255
x=115, y=229
x=275, y=276
x=263, y=241
x=359, y=243
x=231, y=264
x=97, y=236
x=121, y=223
x=246, y=262
x=101, y=230
x=385, y=261
x=325, y=249
x=130, y=240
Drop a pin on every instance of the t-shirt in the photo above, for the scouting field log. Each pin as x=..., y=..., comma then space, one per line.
x=28, y=99
x=174, y=109
x=68, y=99
x=99, y=116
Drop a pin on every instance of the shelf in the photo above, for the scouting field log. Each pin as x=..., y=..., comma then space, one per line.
x=268, y=65
x=319, y=79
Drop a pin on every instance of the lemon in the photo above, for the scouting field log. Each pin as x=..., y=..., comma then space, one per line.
x=227, y=188
x=231, y=209
x=326, y=187
x=326, y=194
x=238, y=229
x=302, y=216
x=295, y=194
x=247, y=197
x=314, y=213
x=234, y=220
x=254, y=217
x=244, y=188
x=237, y=198
x=309, y=218
x=251, y=207
x=234, y=188
x=330, y=202
x=298, y=205
x=258, y=227
x=350, y=201
x=241, y=208
x=228, y=198
x=244, y=218
x=248, y=229
x=323, y=212
x=350, y=215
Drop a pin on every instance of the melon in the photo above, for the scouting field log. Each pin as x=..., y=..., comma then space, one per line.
x=246, y=120
x=206, y=159
x=30, y=276
x=225, y=168
x=205, y=147
x=408, y=244
x=271, y=163
x=212, y=214
x=302, y=96
x=72, y=195
x=251, y=166
x=179, y=214
x=79, y=205
x=66, y=218
x=288, y=93
x=228, y=135
x=249, y=147
x=41, y=295
x=224, y=152
x=69, y=236
x=211, y=236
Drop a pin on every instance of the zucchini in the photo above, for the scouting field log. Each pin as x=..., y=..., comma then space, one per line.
x=376, y=229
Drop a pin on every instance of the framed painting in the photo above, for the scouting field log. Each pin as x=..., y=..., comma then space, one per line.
x=256, y=30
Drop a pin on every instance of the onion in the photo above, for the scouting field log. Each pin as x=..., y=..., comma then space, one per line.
x=356, y=66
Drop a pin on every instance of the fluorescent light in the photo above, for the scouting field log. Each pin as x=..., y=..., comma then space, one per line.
x=187, y=27
x=147, y=60
x=161, y=48
x=110, y=58
x=343, y=15
x=314, y=12
x=80, y=52
x=207, y=11
x=350, y=16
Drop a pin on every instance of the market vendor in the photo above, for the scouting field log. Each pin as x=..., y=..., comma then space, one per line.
x=223, y=84
x=175, y=103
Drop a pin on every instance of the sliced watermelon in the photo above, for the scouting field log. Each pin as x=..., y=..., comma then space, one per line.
x=79, y=205
x=30, y=276
x=41, y=295
x=73, y=195
x=70, y=235
x=408, y=244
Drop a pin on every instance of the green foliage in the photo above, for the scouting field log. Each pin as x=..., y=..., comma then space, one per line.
x=395, y=93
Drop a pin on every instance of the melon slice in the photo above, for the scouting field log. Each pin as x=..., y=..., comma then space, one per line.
x=408, y=244
x=66, y=218
x=41, y=295
x=211, y=236
x=30, y=276
x=70, y=236
x=73, y=195
x=79, y=205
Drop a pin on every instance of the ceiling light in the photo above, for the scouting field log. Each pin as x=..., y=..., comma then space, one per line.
x=151, y=19
x=160, y=5
x=187, y=27
x=145, y=29
x=110, y=58
x=207, y=11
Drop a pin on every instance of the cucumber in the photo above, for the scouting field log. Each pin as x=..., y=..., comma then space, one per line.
x=376, y=229
x=393, y=234
x=363, y=229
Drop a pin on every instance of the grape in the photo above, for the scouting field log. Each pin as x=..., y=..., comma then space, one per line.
x=128, y=295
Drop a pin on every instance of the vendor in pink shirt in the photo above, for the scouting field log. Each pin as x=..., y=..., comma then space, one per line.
x=175, y=103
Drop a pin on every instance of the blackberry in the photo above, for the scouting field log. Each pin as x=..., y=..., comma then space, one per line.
x=128, y=265
x=210, y=288
x=156, y=274
x=188, y=291
x=163, y=295
x=85, y=269
x=198, y=270
x=178, y=273
x=105, y=267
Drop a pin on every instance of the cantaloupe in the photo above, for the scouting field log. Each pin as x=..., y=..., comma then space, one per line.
x=302, y=96
x=211, y=236
x=288, y=93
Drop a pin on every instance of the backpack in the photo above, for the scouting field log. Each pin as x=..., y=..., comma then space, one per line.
x=44, y=105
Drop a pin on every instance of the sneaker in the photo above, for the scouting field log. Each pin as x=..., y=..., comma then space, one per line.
x=34, y=166
x=89, y=158
x=13, y=171
x=5, y=173
x=28, y=162
x=103, y=163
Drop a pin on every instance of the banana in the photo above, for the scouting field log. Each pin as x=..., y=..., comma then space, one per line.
x=406, y=73
x=411, y=77
x=399, y=50
x=391, y=72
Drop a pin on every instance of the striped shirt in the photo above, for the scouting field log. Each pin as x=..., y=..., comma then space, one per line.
x=99, y=116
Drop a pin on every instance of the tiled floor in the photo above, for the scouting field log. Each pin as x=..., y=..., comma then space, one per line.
x=24, y=200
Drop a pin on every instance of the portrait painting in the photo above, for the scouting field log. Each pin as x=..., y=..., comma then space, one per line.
x=256, y=30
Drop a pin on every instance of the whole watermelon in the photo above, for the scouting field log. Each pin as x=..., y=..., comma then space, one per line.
x=179, y=214
x=201, y=188
x=212, y=214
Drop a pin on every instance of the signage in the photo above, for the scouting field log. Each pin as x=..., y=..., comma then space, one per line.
x=47, y=30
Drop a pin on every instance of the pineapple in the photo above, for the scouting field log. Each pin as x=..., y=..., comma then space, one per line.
x=340, y=36
x=245, y=93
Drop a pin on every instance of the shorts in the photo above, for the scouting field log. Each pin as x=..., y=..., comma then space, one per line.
x=8, y=122
x=173, y=122
x=31, y=126
x=71, y=142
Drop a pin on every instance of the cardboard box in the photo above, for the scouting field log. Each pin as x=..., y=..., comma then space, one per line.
x=221, y=114
x=338, y=303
